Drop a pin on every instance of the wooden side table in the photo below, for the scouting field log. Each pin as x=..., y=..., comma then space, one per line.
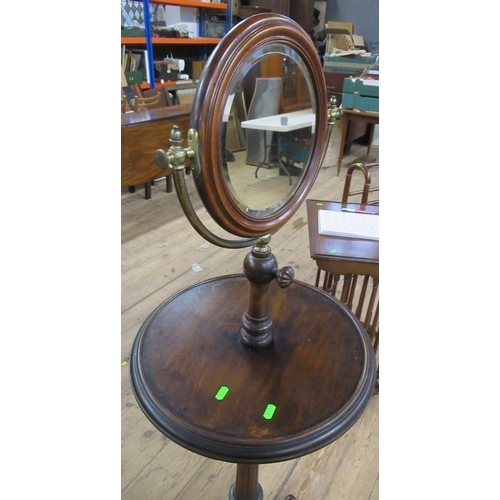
x=356, y=255
x=141, y=135
x=348, y=257
x=360, y=116
x=205, y=390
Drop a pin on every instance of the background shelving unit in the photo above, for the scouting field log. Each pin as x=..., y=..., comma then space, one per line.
x=150, y=42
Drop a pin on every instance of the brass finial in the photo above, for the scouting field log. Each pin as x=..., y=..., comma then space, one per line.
x=176, y=136
x=334, y=112
x=262, y=246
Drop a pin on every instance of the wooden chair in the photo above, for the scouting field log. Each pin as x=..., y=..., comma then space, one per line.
x=356, y=284
x=144, y=103
x=364, y=167
x=154, y=92
x=360, y=293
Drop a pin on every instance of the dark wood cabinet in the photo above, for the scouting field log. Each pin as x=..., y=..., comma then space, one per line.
x=302, y=12
x=277, y=6
x=294, y=92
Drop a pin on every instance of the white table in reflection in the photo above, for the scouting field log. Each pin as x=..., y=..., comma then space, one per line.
x=285, y=122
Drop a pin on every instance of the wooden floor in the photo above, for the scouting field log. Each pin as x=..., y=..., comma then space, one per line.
x=159, y=248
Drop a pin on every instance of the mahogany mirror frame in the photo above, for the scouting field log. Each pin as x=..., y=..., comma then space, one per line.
x=221, y=71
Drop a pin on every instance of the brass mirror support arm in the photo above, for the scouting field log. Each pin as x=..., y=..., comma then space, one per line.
x=175, y=159
x=334, y=114
x=260, y=265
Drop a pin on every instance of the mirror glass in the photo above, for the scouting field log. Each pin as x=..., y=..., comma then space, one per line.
x=259, y=121
x=268, y=129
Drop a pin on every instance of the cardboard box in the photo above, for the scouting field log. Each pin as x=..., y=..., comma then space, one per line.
x=186, y=96
x=198, y=69
x=339, y=41
x=358, y=41
x=339, y=27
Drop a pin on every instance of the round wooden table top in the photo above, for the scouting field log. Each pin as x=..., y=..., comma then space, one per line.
x=202, y=388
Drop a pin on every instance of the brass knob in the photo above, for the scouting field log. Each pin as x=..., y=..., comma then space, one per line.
x=163, y=159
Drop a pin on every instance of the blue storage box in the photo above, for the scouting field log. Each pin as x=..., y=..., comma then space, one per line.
x=355, y=64
x=348, y=100
x=360, y=102
x=371, y=59
x=292, y=152
x=366, y=87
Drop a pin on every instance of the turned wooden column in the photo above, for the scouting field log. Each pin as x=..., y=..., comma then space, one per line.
x=247, y=485
x=261, y=267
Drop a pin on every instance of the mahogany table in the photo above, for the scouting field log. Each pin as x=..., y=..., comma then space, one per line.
x=205, y=390
x=350, y=115
x=142, y=134
x=337, y=254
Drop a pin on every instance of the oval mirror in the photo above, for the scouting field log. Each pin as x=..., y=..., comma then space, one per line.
x=261, y=115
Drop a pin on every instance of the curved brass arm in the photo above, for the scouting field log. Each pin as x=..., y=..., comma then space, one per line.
x=174, y=159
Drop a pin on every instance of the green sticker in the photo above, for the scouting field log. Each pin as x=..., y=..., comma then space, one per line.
x=319, y=204
x=268, y=414
x=222, y=393
x=359, y=164
x=333, y=250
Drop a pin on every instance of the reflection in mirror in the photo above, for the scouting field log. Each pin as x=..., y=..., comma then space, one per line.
x=268, y=130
